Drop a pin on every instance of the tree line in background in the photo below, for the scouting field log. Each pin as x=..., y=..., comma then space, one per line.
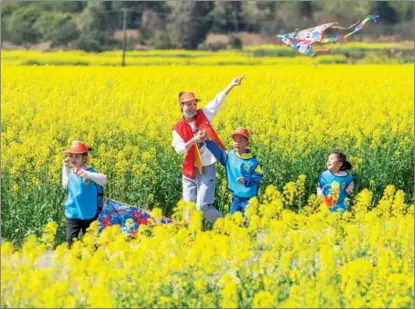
x=90, y=25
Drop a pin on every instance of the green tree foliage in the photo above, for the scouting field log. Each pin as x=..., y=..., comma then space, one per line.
x=190, y=23
x=227, y=16
x=184, y=24
x=60, y=28
x=235, y=42
x=162, y=40
x=20, y=25
x=384, y=9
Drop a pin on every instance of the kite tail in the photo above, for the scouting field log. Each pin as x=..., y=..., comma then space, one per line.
x=333, y=39
x=344, y=28
x=318, y=51
x=359, y=26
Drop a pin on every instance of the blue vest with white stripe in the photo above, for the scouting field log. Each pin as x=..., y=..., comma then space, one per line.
x=237, y=167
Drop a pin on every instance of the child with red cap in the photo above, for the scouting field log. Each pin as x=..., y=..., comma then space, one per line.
x=243, y=171
x=199, y=165
x=85, y=193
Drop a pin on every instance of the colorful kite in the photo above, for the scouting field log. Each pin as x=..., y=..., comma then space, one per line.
x=127, y=216
x=301, y=40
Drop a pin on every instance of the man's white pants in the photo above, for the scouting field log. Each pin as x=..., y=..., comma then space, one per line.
x=201, y=191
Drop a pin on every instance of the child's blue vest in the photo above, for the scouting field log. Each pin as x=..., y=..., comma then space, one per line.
x=326, y=179
x=237, y=167
x=85, y=199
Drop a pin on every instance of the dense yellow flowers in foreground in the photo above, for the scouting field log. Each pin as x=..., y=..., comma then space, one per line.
x=313, y=259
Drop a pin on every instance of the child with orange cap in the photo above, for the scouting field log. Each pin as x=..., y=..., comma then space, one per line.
x=85, y=193
x=199, y=165
x=243, y=171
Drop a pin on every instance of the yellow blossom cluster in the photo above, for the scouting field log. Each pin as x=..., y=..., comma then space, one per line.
x=276, y=259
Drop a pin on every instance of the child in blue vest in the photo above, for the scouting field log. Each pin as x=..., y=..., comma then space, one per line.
x=335, y=185
x=243, y=170
x=85, y=193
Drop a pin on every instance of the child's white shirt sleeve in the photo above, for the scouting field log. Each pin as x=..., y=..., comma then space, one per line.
x=65, y=177
x=212, y=108
x=98, y=178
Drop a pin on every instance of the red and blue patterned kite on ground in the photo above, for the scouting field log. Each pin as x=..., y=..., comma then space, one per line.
x=301, y=40
x=127, y=216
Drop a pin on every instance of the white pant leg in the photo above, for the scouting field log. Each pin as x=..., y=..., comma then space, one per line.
x=206, y=184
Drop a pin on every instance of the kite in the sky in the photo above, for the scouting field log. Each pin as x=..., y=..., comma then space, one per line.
x=301, y=40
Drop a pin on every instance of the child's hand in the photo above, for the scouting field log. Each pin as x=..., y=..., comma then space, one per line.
x=241, y=180
x=237, y=81
x=200, y=137
x=78, y=172
x=81, y=173
x=65, y=162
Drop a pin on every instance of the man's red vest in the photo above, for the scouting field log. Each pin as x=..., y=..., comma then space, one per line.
x=183, y=128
